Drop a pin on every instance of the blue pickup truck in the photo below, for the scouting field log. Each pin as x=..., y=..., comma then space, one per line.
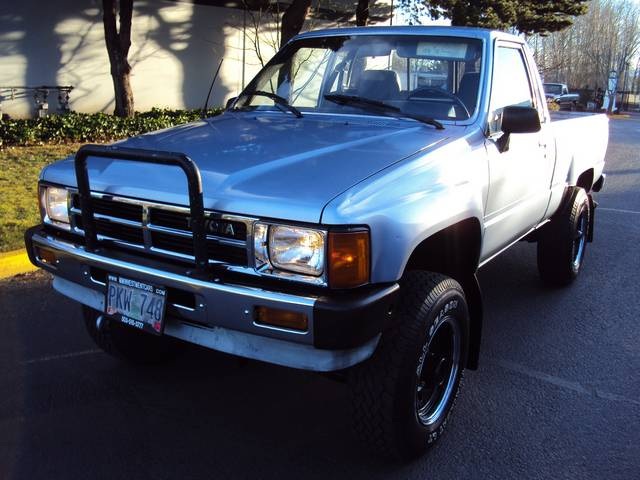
x=333, y=218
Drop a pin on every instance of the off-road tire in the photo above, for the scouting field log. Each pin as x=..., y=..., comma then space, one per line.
x=126, y=343
x=384, y=388
x=560, y=256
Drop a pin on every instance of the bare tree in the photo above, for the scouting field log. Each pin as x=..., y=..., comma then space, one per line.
x=269, y=24
x=262, y=31
x=118, y=42
x=362, y=13
x=293, y=19
x=266, y=20
x=606, y=38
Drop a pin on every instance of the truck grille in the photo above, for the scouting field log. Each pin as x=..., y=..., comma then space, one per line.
x=164, y=229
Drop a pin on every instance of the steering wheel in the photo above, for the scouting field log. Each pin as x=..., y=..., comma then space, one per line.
x=438, y=92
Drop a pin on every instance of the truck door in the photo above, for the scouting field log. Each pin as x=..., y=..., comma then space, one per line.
x=520, y=176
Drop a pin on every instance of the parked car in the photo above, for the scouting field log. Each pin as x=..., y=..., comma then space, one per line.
x=559, y=93
x=334, y=218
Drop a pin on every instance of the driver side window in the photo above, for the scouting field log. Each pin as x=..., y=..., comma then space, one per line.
x=299, y=81
x=510, y=85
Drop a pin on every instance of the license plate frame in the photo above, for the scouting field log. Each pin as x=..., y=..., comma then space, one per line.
x=138, y=304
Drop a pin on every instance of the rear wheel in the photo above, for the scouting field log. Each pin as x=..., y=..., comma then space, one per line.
x=403, y=396
x=127, y=343
x=562, y=244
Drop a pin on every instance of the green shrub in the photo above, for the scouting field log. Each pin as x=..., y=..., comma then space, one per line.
x=95, y=127
x=19, y=171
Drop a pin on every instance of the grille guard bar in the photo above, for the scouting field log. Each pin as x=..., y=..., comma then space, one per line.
x=194, y=182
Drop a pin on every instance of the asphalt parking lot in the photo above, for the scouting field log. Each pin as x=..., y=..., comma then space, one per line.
x=557, y=394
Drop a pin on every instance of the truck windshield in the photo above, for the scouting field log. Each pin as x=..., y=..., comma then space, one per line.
x=422, y=76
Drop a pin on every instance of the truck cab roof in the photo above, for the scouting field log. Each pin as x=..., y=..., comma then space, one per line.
x=469, y=32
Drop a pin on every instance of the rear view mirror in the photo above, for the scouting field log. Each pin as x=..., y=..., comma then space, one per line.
x=520, y=120
x=517, y=119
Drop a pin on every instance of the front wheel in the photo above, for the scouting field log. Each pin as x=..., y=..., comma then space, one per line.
x=562, y=244
x=402, y=397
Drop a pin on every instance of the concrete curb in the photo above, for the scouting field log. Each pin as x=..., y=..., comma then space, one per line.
x=13, y=263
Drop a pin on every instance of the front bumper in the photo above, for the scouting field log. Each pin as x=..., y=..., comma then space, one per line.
x=344, y=328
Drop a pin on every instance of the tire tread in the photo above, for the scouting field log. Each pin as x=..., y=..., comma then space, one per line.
x=372, y=399
x=554, y=248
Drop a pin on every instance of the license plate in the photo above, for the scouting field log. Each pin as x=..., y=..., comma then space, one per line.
x=136, y=303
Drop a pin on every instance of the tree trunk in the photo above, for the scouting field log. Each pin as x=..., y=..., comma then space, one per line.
x=118, y=44
x=293, y=19
x=362, y=13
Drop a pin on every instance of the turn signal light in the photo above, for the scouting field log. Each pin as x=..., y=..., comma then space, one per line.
x=348, y=259
x=276, y=317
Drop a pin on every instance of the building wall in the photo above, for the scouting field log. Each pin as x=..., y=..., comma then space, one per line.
x=176, y=48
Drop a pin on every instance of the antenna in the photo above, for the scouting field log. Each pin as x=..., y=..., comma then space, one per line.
x=206, y=102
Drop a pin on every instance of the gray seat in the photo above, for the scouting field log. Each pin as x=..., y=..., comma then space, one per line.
x=379, y=85
x=468, y=90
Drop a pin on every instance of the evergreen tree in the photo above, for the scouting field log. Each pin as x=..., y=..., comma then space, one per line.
x=498, y=14
x=545, y=16
x=528, y=16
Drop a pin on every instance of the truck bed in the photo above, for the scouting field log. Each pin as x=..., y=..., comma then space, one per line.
x=581, y=140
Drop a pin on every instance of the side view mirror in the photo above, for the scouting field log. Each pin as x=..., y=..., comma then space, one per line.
x=229, y=103
x=517, y=120
x=520, y=120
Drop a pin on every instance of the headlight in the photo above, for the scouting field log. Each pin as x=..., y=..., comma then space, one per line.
x=340, y=259
x=55, y=204
x=281, y=249
x=295, y=249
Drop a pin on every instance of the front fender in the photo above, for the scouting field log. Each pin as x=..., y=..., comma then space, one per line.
x=405, y=204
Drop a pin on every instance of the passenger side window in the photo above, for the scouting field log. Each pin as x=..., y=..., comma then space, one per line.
x=510, y=85
x=307, y=69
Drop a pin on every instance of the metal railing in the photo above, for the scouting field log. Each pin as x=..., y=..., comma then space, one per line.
x=40, y=96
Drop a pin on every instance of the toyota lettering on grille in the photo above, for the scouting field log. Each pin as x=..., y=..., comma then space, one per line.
x=216, y=227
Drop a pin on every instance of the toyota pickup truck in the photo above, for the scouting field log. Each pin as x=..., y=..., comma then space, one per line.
x=559, y=93
x=333, y=218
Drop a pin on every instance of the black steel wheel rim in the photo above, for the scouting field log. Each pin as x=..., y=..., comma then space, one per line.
x=437, y=371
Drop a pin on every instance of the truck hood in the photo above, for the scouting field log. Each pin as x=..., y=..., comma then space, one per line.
x=261, y=164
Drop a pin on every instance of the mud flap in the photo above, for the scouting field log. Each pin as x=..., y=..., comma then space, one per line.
x=472, y=292
x=592, y=217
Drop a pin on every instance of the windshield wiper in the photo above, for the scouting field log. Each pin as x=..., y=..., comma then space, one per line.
x=278, y=100
x=390, y=110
